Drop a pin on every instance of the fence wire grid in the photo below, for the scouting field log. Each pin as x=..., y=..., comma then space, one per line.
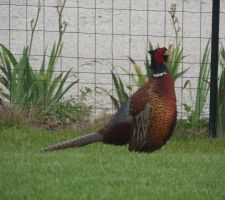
x=102, y=34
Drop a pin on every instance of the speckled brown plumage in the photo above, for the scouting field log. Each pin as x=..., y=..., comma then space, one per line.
x=146, y=120
x=160, y=93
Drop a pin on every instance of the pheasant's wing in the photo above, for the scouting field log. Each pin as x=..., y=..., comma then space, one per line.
x=123, y=114
x=138, y=137
x=119, y=129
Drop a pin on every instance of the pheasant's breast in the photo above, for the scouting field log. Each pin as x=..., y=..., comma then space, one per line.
x=162, y=120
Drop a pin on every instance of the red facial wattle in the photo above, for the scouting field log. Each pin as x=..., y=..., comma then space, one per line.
x=159, y=55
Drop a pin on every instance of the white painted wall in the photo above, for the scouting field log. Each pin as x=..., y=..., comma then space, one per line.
x=120, y=32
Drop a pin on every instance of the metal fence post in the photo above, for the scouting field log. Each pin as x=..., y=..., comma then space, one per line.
x=214, y=68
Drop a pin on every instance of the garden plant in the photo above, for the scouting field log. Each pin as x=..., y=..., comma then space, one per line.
x=40, y=92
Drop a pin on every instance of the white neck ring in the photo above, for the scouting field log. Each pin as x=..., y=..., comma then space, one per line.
x=159, y=74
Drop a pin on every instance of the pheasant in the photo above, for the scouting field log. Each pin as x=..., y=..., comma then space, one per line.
x=146, y=119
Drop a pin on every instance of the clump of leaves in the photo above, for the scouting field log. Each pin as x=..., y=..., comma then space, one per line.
x=221, y=95
x=122, y=94
x=140, y=77
x=185, y=131
x=195, y=117
x=71, y=110
x=27, y=87
x=38, y=90
x=201, y=92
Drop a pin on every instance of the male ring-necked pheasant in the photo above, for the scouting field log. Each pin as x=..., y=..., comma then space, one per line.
x=146, y=120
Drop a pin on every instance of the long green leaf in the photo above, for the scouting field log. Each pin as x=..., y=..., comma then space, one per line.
x=221, y=95
x=5, y=72
x=132, y=76
x=140, y=75
x=117, y=86
x=51, y=64
x=66, y=90
x=17, y=86
x=177, y=75
x=202, y=86
x=53, y=86
x=59, y=91
x=7, y=65
x=115, y=102
x=42, y=69
x=4, y=82
x=9, y=54
x=123, y=92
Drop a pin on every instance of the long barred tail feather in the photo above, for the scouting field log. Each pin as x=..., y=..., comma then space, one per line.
x=76, y=142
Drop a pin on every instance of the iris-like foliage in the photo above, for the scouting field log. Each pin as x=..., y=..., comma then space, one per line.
x=202, y=90
x=27, y=87
x=39, y=90
x=221, y=95
x=140, y=77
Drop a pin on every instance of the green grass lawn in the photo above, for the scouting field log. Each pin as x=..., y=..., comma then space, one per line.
x=183, y=169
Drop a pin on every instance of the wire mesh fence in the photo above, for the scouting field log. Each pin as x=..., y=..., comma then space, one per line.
x=99, y=37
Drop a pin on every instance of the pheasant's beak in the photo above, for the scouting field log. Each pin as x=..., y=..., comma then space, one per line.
x=166, y=53
x=166, y=56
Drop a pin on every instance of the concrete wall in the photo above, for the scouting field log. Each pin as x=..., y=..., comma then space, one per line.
x=110, y=35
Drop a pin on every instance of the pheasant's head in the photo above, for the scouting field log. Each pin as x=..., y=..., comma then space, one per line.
x=159, y=57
